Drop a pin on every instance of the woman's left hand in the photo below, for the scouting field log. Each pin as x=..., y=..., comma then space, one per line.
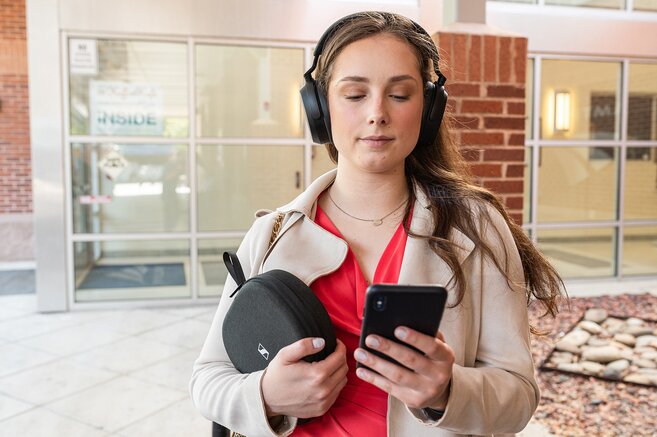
x=426, y=381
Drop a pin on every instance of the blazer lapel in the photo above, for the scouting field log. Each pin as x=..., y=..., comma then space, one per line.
x=421, y=265
x=307, y=251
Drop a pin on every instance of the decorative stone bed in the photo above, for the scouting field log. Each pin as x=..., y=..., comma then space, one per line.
x=608, y=347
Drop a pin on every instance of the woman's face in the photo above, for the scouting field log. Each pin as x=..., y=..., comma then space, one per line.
x=375, y=97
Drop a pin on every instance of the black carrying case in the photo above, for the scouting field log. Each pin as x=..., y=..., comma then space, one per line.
x=271, y=310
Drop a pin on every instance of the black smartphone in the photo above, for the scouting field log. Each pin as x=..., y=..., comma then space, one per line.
x=387, y=306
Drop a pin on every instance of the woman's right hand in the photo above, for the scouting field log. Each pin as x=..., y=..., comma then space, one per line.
x=294, y=387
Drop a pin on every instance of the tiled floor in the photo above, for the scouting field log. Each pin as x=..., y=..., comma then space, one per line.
x=17, y=281
x=103, y=373
x=99, y=373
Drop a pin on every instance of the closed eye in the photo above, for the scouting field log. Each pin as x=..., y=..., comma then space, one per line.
x=400, y=98
x=355, y=97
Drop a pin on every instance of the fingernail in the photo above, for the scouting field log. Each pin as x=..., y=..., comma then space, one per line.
x=372, y=341
x=360, y=355
x=318, y=343
x=360, y=373
x=401, y=333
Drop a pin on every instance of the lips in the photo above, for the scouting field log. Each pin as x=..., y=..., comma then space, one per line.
x=376, y=140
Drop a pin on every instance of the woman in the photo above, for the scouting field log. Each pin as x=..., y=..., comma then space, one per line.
x=399, y=208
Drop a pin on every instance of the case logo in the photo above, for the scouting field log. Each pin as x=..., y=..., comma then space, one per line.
x=264, y=352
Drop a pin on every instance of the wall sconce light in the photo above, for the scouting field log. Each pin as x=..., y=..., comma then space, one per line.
x=561, y=110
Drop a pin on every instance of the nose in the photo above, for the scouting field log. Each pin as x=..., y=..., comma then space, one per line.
x=378, y=113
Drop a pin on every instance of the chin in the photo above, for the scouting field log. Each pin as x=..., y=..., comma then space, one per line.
x=381, y=167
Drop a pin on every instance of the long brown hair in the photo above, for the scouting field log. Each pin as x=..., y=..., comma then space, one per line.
x=442, y=173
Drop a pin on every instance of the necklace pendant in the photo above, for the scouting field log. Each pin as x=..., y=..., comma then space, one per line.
x=377, y=222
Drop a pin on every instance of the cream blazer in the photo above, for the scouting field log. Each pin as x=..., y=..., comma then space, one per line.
x=493, y=390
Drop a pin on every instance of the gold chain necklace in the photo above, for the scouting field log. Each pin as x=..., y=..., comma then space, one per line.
x=375, y=222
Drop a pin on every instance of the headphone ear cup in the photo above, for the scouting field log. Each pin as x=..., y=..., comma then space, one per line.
x=316, y=109
x=326, y=116
x=435, y=101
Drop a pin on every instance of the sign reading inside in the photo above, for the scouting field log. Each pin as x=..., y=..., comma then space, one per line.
x=121, y=108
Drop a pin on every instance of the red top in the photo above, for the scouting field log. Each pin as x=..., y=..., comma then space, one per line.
x=361, y=408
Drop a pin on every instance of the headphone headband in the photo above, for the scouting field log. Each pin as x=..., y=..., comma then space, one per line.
x=328, y=33
x=315, y=101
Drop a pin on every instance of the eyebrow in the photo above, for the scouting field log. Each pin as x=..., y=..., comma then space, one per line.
x=366, y=80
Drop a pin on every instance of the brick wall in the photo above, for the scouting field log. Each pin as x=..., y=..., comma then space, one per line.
x=15, y=162
x=486, y=85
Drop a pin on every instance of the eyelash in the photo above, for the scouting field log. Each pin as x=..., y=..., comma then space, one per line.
x=359, y=97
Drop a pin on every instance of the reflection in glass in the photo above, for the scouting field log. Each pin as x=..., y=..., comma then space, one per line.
x=640, y=250
x=529, y=100
x=125, y=270
x=579, y=253
x=212, y=272
x=645, y=5
x=640, y=195
x=139, y=88
x=235, y=181
x=577, y=184
x=608, y=4
x=321, y=163
x=527, y=178
x=248, y=91
x=592, y=88
x=129, y=188
x=642, y=104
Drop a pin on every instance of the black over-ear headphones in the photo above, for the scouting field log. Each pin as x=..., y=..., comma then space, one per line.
x=316, y=103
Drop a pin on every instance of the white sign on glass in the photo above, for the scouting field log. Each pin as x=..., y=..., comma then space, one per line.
x=122, y=108
x=83, y=56
x=95, y=200
x=112, y=164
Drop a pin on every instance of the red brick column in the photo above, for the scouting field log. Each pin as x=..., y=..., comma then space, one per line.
x=486, y=86
x=15, y=158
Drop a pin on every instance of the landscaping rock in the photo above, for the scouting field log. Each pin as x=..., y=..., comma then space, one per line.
x=638, y=331
x=604, y=354
x=645, y=340
x=626, y=339
x=596, y=315
x=649, y=356
x=561, y=357
x=638, y=378
x=615, y=369
x=596, y=341
x=567, y=346
x=570, y=367
x=592, y=368
x=577, y=337
x=645, y=364
x=590, y=327
x=634, y=321
x=613, y=325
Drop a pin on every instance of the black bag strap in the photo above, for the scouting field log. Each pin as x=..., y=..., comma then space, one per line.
x=234, y=267
x=232, y=262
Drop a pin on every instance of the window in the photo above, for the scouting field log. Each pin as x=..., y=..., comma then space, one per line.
x=248, y=91
x=138, y=88
x=159, y=193
x=588, y=220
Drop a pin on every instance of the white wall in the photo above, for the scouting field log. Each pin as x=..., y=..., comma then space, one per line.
x=578, y=30
x=291, y=20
